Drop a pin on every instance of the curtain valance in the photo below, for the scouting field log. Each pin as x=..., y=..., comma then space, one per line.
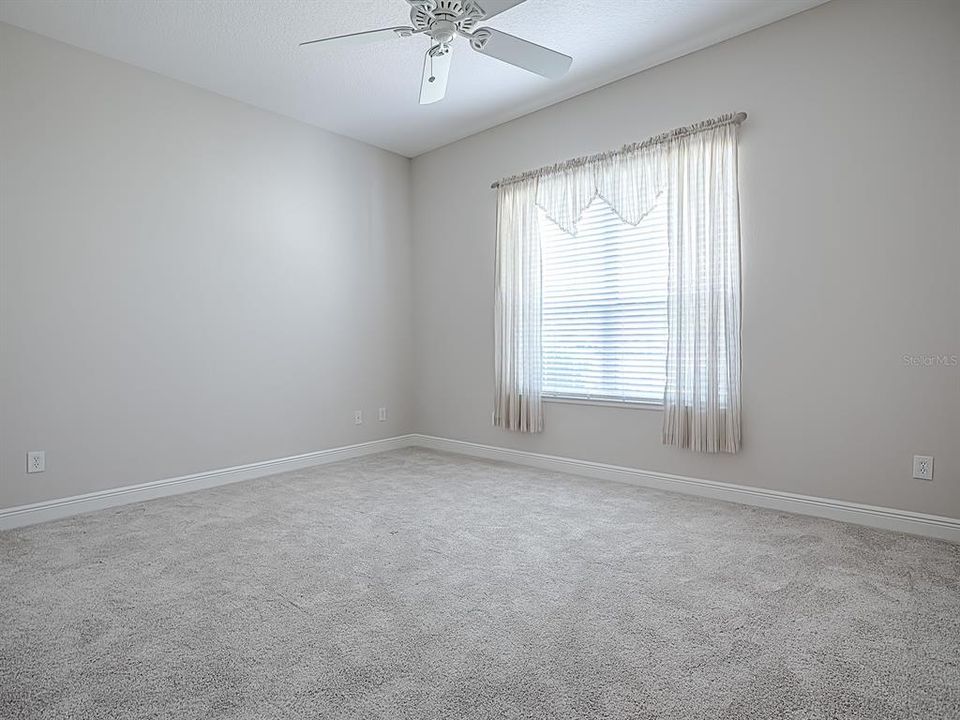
x=629, y=179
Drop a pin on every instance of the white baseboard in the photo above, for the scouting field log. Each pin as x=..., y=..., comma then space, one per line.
x=934, y=526
x=64, y=507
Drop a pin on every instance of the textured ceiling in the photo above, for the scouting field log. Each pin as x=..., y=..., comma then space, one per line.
x=247, y=49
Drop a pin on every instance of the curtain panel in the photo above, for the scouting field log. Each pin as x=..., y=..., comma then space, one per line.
x=517, y=310
x=701, y=402
x=694, y=171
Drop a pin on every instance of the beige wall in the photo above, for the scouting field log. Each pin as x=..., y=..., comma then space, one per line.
x=186, y=282
x=851, y=254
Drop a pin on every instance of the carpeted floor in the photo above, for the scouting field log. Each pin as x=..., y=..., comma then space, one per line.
x=415, y=584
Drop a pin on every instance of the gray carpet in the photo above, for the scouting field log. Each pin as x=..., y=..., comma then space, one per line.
x=415, y=584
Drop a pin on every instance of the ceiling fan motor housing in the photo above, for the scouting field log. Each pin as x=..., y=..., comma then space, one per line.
x=443, y=19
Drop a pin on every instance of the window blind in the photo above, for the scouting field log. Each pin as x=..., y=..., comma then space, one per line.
x=604, y=327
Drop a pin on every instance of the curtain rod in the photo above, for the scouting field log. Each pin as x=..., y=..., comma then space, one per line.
x=730, y=119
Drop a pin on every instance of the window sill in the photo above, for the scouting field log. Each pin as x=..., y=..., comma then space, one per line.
x=626, y=404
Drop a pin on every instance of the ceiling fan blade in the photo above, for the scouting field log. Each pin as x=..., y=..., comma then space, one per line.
x=522, y=53
x=433, y=84
x=495, y=7
x=362, y=38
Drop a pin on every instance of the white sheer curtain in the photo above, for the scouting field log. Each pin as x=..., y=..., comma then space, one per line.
x=629, y=180
x=517, y=310
x=694, y=171
x=701, y=406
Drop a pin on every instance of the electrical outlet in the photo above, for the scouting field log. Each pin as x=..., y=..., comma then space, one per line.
x=36, y=461
x=382, y=416
x=923, y=467
x=358, y=417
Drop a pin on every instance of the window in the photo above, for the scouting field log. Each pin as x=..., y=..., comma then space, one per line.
x=588, y=317
x=605, y=307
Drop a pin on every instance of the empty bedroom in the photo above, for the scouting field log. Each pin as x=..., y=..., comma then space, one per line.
x=442, y=359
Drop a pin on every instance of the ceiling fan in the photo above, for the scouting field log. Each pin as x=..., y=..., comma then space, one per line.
x=442, y=21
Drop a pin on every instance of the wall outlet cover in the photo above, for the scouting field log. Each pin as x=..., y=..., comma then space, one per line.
x=923, y=467
x=36, y=461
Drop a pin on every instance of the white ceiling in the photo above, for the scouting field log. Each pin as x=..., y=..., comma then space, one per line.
x=247, y=49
